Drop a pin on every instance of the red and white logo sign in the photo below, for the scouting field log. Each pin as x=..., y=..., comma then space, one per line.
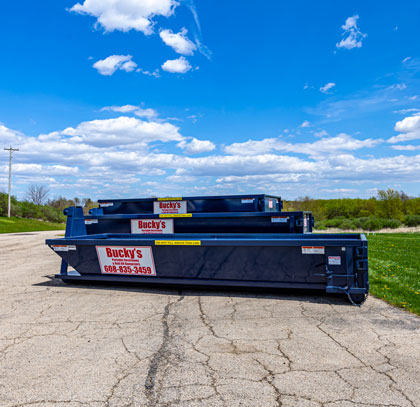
x=152, y=226
x=170, y=207
x=126, y=260
x=334, y=260
x=63, y=247
x=313, y=250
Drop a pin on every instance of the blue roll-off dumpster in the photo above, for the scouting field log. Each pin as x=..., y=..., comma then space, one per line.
x=99, y=248
x=336, y=263
x=192, y=204
x=223, y=222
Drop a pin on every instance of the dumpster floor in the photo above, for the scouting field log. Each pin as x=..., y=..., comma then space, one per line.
x=78, y=345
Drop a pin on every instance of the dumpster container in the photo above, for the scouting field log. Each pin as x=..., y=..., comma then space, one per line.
x=336, y=263
x=223, y=222
x=194, y=204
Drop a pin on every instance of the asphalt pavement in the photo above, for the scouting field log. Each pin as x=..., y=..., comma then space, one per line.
x=87, y=345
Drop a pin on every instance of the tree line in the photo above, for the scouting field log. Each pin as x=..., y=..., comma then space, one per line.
x=37, y=205
x=389, y=208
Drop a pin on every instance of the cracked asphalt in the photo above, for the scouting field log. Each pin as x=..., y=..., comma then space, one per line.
x=74, y=345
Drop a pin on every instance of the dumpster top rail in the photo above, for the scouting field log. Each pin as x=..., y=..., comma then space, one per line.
x=194, y=215
x=212, y=239
x=187, y=198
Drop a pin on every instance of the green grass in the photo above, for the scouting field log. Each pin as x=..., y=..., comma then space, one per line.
x=14, y=225
x=394, y=269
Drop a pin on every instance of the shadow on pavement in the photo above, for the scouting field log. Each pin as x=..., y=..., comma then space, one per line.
x=300, y=295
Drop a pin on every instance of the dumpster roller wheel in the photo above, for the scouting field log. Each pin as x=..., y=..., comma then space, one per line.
x=357, y=299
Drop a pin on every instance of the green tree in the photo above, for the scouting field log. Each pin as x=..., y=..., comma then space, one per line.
x=390, y=204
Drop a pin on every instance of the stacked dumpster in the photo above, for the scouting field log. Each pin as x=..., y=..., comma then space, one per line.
x=226, y=241
x=212, y=214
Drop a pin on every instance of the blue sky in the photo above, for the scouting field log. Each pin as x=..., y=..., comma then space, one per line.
x=164, y=97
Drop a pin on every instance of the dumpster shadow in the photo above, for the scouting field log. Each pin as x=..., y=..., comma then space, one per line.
x=281, y=294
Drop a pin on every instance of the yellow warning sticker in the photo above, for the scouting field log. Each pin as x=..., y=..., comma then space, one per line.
x=178, y=242
x=170, y=199
x=175, y=215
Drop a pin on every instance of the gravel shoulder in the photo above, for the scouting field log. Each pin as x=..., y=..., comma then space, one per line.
x=402, y=229
x=86, y=345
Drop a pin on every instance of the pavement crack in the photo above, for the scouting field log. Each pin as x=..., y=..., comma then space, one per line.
x=160, y=356
x=115, y=387
x=213, y=373
x=269, y=378
x=204, y=318
x=284, y=355
x=319, y=326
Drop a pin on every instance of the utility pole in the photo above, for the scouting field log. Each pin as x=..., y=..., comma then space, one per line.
x=10, y=150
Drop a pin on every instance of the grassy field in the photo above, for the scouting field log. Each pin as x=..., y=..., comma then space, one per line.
x=394, y=269
x=394, y=261
x=14, y=225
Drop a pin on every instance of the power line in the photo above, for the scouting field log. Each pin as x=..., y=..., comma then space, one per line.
x=11, y=151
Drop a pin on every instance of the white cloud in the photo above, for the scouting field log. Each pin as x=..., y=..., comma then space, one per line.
x=385, y=168
x=325, y=146
x=112, y=63
x=201, y=47
x=125, y=15
x=305, y=124
x=256, y=179
x=122, y=130
x=179, y=65
x=204, y=50
x=405, y=111
x=341, y=190
x=148, y=113
x=408, y=124
x=219, y=165
x=128, y=66
x=409, y=128
x=39, y=169
x=327, y=87
x=120, y=109
x=179, y=41
x=406, y=60
x=180, y=178
x=374, y=99
x=130, y=157
x=254, y=146
x=353, y=37
x=407, y=147
x=154, y=73
x=321, y=133
x=9, y=136
x=196, y=146
x=399, y=86
x=137, y=110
